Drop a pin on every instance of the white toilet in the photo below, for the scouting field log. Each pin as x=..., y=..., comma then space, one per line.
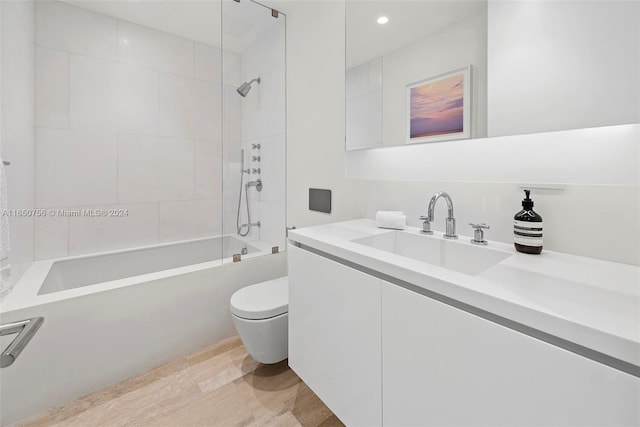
x=260, y=314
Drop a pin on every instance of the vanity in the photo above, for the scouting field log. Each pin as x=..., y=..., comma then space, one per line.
x=399, y=328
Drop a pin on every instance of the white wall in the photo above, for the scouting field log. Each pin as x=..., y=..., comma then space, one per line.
x=562, y=65
x=126, y=117
x=597, y=170
x=17, y=26
x=456, y=46
x=316, y=113
x=598, y=167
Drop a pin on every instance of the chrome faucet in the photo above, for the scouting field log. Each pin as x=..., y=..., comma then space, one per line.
x=450, y=222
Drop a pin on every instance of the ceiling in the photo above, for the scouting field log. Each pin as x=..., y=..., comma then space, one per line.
x=197, y=20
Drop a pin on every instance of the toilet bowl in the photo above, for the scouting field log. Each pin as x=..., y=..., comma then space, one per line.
x=260, y=315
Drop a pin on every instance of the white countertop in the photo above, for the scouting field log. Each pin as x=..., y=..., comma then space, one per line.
x=586, y=301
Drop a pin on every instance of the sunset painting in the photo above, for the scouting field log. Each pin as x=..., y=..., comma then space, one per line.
x=436, y=108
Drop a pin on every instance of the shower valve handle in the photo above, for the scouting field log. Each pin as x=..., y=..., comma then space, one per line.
x=255, y=146
x=255, y=171
x=255, y=158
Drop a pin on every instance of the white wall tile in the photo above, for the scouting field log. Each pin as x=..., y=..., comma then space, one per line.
x=22, y=245
x=272, y=219
x=230, y=222
x=273, y=155
x=208, y=170
x=264, y=54
x=272, y=102
x=154, y=169
x=72, y=29
x=105, y=95
x=94, y=234
x=231, y=114
x=231, y=68
x=208, y=63
x=51, y=237
x=190, y=219
x=93, y=93
x=52, y=88
x=190, y=108
x=75, y=168
x=137, y=100
x=155, y=49
x=263, y=109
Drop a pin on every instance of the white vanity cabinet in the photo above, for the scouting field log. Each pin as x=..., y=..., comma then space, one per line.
x=334, y=335
x=388, y=337
x=446, y=367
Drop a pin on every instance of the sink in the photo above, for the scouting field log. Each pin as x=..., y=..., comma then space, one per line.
x=456, y=255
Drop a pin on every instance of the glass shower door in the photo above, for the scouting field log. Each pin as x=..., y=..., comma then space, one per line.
x=254, y=114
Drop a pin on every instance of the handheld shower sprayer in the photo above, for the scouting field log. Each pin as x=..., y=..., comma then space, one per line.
x=244, y=229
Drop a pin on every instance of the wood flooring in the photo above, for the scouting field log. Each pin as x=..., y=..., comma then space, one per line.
x=220, y=385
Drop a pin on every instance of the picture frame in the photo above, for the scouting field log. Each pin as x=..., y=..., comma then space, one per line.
x=439, y=108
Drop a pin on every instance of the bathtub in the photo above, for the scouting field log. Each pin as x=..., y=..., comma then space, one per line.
x=113, y=315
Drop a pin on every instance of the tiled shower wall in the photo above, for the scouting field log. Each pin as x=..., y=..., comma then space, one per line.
x=129, y=118
x=263, y=122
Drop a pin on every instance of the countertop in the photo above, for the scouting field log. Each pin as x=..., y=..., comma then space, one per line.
x=589, y=302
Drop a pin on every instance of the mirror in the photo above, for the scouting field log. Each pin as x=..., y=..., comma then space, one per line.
x=534, y=66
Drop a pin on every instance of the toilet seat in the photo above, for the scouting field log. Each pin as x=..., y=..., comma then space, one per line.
x=263, y=300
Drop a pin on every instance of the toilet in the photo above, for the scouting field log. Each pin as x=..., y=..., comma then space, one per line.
x=260, y=315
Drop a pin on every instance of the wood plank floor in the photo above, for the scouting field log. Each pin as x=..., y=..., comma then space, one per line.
x=220, y=385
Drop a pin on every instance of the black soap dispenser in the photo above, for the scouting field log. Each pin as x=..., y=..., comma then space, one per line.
x=527, y=228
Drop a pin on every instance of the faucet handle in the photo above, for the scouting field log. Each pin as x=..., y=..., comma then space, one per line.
x=426, y=225
x=478, y=233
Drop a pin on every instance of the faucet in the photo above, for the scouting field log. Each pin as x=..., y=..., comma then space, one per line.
x=450, y=222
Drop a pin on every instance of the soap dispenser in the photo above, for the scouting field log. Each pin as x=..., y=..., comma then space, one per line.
x=527, y=228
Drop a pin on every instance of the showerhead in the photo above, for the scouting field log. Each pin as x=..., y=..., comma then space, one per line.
x=245, y=87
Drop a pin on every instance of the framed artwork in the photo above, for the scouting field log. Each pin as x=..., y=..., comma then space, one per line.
x=439, y=108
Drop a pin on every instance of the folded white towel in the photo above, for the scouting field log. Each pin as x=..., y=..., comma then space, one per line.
x=391, y=219
x=5, y=270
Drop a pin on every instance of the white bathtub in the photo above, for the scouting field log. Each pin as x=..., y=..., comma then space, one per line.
x=113, y=315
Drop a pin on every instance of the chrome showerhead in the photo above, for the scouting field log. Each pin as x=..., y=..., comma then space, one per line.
x=245, y=87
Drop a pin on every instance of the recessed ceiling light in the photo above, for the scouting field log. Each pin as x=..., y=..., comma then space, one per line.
x=383, y=20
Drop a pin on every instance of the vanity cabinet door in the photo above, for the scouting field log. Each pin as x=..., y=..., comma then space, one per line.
x=334, y=335
x=445, y=367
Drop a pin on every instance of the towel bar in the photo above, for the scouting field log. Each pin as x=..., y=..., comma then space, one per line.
x=25, y=329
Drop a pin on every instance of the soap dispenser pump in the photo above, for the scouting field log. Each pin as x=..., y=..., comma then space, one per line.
x=527, y=228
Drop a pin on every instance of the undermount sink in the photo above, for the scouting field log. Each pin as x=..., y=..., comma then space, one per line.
x=456, y=255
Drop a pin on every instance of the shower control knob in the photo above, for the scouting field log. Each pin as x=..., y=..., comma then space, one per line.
x=255, y=158
x=255, y=146
x=256, y=171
